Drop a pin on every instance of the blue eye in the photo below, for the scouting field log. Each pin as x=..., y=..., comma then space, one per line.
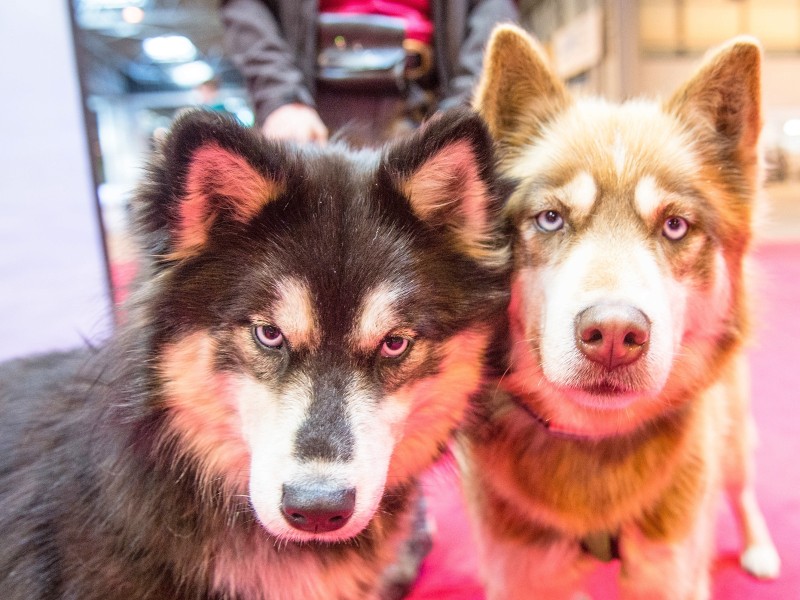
x=675, y=228
x=268, y=336
x=394, y=346
x=549, y=221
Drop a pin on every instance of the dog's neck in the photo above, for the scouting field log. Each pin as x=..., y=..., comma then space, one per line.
x=551, y=426
x=564, y=432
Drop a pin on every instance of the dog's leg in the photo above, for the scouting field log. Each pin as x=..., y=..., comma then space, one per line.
x=658, y=570
x=759, y=556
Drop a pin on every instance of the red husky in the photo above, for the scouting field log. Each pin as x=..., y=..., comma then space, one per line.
x=623, y=412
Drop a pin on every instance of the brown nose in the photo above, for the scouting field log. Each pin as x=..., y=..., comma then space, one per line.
x=612, y=335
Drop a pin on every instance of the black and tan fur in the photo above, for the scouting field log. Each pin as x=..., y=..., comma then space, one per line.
x=307, y=331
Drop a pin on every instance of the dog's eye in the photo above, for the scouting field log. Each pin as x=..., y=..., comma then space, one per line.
x=394, y=346
x=675, y=228
x=549, y=220
x=268, y=336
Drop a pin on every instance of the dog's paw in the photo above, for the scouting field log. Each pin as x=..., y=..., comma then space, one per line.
x=761, y=561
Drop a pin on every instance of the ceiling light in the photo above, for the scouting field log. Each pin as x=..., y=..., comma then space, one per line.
x=192, y=74
x=132, y=15
x=170, y=48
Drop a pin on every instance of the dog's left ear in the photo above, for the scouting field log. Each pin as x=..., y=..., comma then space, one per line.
x=724, y=99
x=446, y=172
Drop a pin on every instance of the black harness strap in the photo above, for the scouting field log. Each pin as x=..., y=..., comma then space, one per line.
x=602, y=545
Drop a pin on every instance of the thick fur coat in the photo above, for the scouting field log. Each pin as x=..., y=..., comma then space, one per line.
x=307, y=331
x=623, y=411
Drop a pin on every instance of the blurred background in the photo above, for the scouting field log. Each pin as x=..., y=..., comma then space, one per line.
x=85, y=85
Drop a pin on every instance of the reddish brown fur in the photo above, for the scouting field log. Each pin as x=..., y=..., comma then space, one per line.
x=437, y=409
x=650, y=474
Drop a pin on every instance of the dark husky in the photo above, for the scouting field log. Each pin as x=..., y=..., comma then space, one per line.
x=306, y=335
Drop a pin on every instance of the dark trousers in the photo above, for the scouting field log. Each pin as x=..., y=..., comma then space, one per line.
x=371, y=119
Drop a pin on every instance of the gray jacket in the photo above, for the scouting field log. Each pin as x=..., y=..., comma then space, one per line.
x=273, y=44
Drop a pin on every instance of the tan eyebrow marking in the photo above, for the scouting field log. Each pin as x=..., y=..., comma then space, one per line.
x=579, y=194
x=376, y=316
x=648, y=196
x=295, y=314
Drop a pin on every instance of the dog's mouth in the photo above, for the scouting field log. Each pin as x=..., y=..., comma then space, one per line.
x=604, y=394
x=606, y=388
x=620, y=386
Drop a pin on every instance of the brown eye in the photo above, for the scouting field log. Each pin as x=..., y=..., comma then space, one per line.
x=268, y=336
x=675, y=228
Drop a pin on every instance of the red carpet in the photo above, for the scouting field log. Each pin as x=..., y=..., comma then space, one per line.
x=450, y=571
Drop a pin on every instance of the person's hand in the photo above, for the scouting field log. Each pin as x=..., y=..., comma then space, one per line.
x=297, y=123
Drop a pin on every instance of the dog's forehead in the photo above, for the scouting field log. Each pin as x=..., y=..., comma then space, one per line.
x=596, y=150
x=337, y=251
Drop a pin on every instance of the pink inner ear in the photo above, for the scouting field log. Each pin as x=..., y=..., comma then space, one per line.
x=230, y=179
x=475, y=194
x=451, y=176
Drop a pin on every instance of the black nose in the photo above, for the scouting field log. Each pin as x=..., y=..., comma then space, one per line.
x=317, y=508
x=612, y=335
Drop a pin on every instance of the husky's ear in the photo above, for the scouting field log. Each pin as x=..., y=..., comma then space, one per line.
x=208, y=169
x=446, y=172
x=724, y=99
x=517, y=91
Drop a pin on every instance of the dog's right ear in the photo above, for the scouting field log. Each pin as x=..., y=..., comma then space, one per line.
x=517, y=91
x=209, y=170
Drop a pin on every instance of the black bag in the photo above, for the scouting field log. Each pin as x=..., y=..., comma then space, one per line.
x=362, y=53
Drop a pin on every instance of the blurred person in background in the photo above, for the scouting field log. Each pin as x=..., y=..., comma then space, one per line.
x=376, y=68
